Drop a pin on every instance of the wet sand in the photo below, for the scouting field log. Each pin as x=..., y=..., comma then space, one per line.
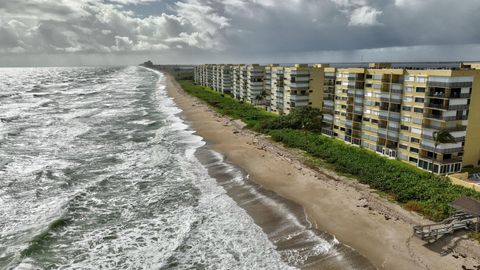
x=283, y=221
x=377, y=229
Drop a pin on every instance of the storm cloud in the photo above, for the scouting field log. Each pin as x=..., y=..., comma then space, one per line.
x=195, y=31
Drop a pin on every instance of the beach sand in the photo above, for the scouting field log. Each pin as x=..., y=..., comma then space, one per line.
x=379, y=230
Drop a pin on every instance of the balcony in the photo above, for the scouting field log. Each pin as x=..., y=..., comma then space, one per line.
x=437, y=106
x=358, y=110
x=298, y=85
x=394, y=129
x=299, y=98
x=328, y=109
x=447, y=84
x=328, y=121
x=450, y=129
x=442, y=151
x=444, y=95
x=434, y=116
x=327, y=132
x=446, y=118
x=430, y=138
x=458, y=107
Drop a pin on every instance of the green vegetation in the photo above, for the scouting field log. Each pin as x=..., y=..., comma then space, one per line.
x=181, y=74
x=415, y=189
x=227, y=105
x=305, y=118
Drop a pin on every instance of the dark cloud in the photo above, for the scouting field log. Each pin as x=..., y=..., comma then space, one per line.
x=237, y=30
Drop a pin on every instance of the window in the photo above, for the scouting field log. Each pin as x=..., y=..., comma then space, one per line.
x=418, y=110
x=457, y=167
x=403, y=146
x=409, y=78
x=414, y=150
x=411, y=159
x=406, y=108
x=407, y=99
x=419, y=100
x=420, y=89
x=414, y=140
x=416, y=131
x=403, y=127
x=421, y=79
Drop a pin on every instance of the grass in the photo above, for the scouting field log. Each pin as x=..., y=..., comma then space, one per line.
x=407, y=185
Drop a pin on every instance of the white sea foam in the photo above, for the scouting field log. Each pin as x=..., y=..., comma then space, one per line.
x=112, y=181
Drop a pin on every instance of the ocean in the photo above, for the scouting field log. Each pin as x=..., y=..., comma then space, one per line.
x=98, y=170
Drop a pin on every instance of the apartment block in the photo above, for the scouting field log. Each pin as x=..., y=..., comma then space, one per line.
x=328, y=103
x=255, y=92
x=225, y=79
x=393, y=111
x=274, y=83
x=239, y=81
x=302, y=87
x=349, y=92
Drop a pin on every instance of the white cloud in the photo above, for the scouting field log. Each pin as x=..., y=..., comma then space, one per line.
x=39, y=26
x=134, y=2
x=189, y=29
x=364, y=16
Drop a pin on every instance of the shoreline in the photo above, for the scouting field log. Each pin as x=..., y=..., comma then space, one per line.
x=379, y=230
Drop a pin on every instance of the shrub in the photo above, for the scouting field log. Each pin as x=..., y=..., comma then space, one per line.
x=417, y=190
x=305, y=118
x=432, y=194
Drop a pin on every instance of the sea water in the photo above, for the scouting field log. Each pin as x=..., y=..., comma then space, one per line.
x=99, y=171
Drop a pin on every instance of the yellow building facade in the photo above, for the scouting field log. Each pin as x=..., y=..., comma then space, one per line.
x=394, y=112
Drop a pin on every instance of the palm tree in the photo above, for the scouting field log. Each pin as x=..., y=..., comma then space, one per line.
x=439, y=137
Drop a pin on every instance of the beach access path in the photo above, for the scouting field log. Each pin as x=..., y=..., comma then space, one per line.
x=355, y=214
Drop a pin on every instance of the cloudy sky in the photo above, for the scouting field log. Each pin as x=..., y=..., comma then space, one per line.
x=92, y=32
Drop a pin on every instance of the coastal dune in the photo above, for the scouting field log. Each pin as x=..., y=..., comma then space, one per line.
x=379, y=230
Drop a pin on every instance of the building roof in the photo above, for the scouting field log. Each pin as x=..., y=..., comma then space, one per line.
x=467, y=205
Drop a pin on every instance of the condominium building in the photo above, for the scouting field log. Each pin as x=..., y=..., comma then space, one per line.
x=393, y=111
x=274, y=82
x=239, y=77
x=225, y=79
x=255, y=92
x=328, y=103
x=301, y=86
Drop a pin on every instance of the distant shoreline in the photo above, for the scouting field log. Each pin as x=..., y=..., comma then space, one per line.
x=378, y=229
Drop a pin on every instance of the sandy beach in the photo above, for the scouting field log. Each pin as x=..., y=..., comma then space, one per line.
x=376, y=228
